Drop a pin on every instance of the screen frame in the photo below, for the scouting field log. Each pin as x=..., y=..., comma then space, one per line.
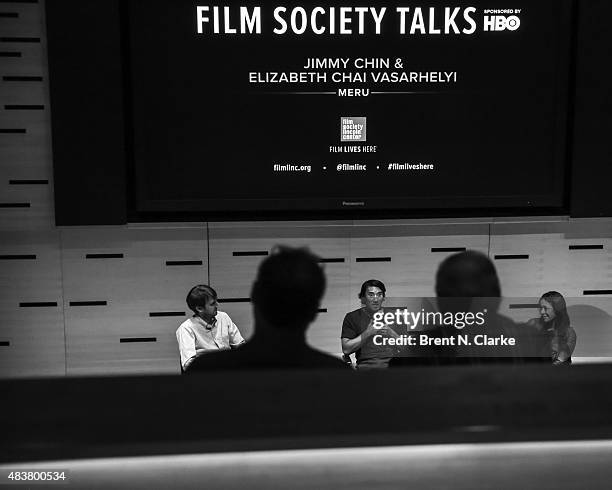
x=142, y=208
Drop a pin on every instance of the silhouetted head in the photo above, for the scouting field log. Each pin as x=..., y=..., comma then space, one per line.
x=202, y=300
x=468, y=274
x=288, y=289
x=372, y=295
x=553, y=311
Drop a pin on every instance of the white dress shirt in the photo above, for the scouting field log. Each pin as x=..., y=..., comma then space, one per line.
x=196, y=336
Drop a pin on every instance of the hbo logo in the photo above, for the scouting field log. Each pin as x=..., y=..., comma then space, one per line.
x=501, y=23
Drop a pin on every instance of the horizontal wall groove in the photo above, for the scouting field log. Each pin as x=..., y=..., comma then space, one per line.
x=12, y=131
x=251, y=253
x=88, y=303
x=14, y=204
x=448, y=249
x=373, y=259
x=39, y=304
x=234, y=300
x=131, y=340
x=322, y=310
x=5, y=343
x=104, y=256
x=586, y=247
x=9, y=15
x=18, y=1
x=593, y=292
x=21, y=78
x=19, y=39
x=523, y=306
x=333, y=260
x=24, y=107
x=10, y=54
x=511, y=257
x=18, y=257
x=171, y=263
x=155, y=314
x=28, y=182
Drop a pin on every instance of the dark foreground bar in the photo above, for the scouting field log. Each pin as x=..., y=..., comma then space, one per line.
x=242, y=411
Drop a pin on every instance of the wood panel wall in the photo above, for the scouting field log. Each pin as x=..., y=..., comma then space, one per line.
x=106, y=300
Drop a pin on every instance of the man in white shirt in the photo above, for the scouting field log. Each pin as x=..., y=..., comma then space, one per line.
x=208, y=329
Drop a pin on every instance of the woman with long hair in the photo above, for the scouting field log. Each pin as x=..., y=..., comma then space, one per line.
x=554, y=324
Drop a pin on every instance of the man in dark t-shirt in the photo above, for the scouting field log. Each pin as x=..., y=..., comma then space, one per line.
x=362, y=335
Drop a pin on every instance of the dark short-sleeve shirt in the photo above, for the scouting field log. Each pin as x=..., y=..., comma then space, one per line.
x=354, y=324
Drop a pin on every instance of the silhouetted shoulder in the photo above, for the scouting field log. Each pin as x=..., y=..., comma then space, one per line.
x=247, y=357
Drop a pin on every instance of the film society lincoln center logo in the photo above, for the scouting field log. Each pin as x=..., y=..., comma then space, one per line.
x=352, y=128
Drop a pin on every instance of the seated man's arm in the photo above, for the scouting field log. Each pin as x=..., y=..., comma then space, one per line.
x=350, y=340
x=186, y=343
x=351, y=345
x=235, y=337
